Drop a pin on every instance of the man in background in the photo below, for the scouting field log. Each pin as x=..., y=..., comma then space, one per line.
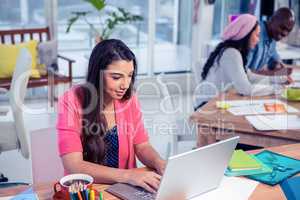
x=264, y=59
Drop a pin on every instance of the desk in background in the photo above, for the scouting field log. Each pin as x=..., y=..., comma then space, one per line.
x=262, y=191
x=220, y=124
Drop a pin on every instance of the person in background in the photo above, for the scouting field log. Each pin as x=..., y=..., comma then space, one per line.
x=226, y=65
x=264, y=59
x=100, y=127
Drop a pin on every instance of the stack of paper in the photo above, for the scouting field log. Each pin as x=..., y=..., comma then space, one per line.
x=240, y=160
x=242, y=164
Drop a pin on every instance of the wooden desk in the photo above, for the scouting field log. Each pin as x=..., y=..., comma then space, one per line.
x=214, y=123
x=262, y=191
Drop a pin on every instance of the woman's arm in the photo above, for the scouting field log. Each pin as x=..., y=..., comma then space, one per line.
x=74, y=163
x=149, y=157
x=262, y=79
x=232, y=64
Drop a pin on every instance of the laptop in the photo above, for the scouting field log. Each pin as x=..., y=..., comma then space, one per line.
x=187, y=175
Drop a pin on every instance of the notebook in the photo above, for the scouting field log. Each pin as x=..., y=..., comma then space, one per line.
x=282, y=167
x=264, y=169
x=291, y=188
x=240, y=160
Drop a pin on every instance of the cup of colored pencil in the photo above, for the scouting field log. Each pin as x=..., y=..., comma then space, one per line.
x=76, y=187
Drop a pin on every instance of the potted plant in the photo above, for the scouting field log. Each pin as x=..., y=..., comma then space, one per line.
x=111, y=20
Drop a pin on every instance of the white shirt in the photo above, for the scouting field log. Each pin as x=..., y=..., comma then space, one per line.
x=229, y=73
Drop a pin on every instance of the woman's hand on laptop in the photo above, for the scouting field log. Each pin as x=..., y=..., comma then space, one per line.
x=146, y=179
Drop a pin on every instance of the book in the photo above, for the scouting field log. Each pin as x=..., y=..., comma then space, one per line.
x=241, y=160
x=264, y=169
x=291, y=187
x=282, y=166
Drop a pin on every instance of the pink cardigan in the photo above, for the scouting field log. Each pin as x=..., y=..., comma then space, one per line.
x=129, y=122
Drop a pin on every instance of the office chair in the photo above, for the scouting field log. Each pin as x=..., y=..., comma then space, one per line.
x=184, y=130
x=13, y=134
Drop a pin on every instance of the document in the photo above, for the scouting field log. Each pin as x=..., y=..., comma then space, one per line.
x=255, y=107
x=274, y=122
x=231, y=188
x=296, y=76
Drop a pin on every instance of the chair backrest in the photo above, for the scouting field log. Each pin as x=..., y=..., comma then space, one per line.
x=16, y=97
x=168, y=102
x=169, y=106
x=181, y=130
x=21, y=35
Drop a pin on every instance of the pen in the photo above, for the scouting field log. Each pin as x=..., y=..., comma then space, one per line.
x=92, y=194
x=100, y=195
x=79, y=195
x=87, y=193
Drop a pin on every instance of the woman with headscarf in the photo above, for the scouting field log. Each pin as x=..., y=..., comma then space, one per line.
x=225, y=67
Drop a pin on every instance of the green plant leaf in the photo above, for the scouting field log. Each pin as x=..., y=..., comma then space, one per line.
x=74, y=18
x=71, y=21
x=98, y=4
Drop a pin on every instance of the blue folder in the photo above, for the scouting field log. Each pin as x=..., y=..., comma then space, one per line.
x=282, y=167
x=26, y=195
x=291, y=188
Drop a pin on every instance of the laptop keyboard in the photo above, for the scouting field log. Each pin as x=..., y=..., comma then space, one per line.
x=129, y=192
x=143, y=194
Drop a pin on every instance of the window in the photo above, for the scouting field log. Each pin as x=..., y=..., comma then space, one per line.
x=224, y=8
x=21, y=14
x=135, y=35
x=172, y=42
x=173, y=36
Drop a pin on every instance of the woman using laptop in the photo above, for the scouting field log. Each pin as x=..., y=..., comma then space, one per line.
x=225, y=67
x=100, y=127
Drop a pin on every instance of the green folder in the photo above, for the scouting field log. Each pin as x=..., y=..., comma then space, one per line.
x=264, y=169
x=241, y=160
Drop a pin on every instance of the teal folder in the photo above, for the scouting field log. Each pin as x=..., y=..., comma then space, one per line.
x=282, y=167
x=264, y=169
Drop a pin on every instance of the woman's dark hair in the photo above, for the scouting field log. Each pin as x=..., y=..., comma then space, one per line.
x=241, y=45
x=94, y=124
